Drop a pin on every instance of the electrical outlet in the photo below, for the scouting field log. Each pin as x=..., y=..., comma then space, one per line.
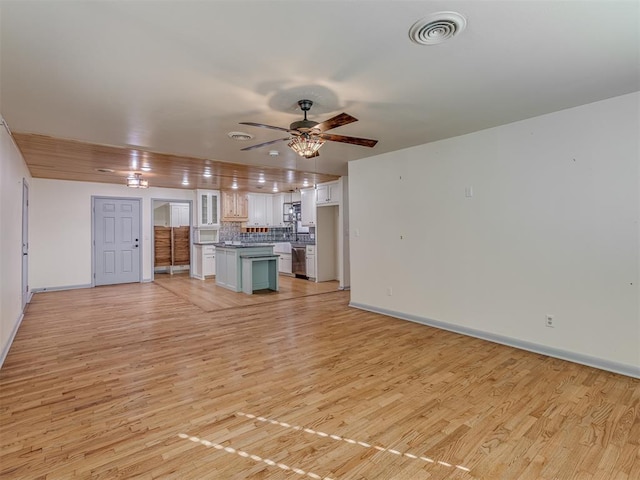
x=549, y=321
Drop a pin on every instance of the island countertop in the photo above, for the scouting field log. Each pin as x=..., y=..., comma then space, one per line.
x=242, y=245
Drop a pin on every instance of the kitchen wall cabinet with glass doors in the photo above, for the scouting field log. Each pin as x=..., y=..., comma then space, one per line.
x=208, y=204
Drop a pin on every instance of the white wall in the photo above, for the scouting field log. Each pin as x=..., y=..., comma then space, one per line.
x=552, y=228
x=60, y=232
x=12, y=171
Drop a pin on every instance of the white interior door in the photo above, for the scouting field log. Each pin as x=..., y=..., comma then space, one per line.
x=116, y=235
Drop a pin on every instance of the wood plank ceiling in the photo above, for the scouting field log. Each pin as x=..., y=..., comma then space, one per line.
x=60, y=159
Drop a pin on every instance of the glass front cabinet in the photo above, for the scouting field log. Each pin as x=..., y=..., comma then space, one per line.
x=208, y=208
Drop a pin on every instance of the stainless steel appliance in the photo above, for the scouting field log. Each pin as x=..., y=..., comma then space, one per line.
x=299, y=260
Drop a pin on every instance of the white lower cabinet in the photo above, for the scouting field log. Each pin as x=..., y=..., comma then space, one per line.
x=284, y=263
x=209, y=261
x=204, y=264
x=311, y=261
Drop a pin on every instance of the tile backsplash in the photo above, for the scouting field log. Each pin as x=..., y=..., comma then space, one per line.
x=232, y=231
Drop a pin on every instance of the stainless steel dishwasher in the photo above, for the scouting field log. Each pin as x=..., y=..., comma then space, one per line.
x=299, y=261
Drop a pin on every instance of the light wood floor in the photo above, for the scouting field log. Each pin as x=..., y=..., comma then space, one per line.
x=209, y=297
x=138, y=381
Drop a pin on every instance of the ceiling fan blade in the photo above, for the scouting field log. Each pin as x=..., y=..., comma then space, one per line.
x=264, y=126
x=363, y=142
x=337, y=121
x=263, y=144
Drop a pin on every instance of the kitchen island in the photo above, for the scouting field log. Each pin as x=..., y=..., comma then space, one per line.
x=246, y=267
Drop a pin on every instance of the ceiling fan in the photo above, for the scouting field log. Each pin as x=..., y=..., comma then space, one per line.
x=306, y=136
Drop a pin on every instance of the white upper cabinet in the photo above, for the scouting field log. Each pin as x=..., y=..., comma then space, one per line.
x=180, y=215
x=308, y=207
x=208, y=202
x=328, y=193
x=260, y=210
x=278, y=213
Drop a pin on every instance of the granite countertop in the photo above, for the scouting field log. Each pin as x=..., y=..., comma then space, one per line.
x=242, y=245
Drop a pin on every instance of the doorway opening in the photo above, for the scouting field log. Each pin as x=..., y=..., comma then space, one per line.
x=171, y=232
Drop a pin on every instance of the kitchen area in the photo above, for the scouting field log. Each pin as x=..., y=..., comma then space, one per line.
x=299, y=234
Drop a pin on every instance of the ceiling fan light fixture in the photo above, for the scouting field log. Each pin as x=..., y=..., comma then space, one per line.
x=306, y=145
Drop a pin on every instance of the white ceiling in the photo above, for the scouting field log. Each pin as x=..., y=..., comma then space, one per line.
x=177, y=76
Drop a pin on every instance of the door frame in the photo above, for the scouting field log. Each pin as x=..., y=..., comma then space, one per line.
x=153, y=237
x=26, y=293
x=93, y=228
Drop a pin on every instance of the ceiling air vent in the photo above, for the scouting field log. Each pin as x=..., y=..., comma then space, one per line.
x=437, y=28
x=240, y=136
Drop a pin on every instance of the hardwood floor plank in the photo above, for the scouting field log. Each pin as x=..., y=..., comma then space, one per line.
x=177, y=380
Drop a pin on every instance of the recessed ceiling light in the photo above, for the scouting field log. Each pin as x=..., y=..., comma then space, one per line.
x=274, y=153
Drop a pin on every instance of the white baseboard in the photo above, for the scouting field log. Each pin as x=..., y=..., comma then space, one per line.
x=602, y=364
x=5, y=348
x=64, y=287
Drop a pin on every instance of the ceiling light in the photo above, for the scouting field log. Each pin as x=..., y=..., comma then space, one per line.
x=306, y=145
x=136, y=181
x=273, y=153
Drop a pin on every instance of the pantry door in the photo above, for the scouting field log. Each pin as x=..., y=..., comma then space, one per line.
x=116, y=239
